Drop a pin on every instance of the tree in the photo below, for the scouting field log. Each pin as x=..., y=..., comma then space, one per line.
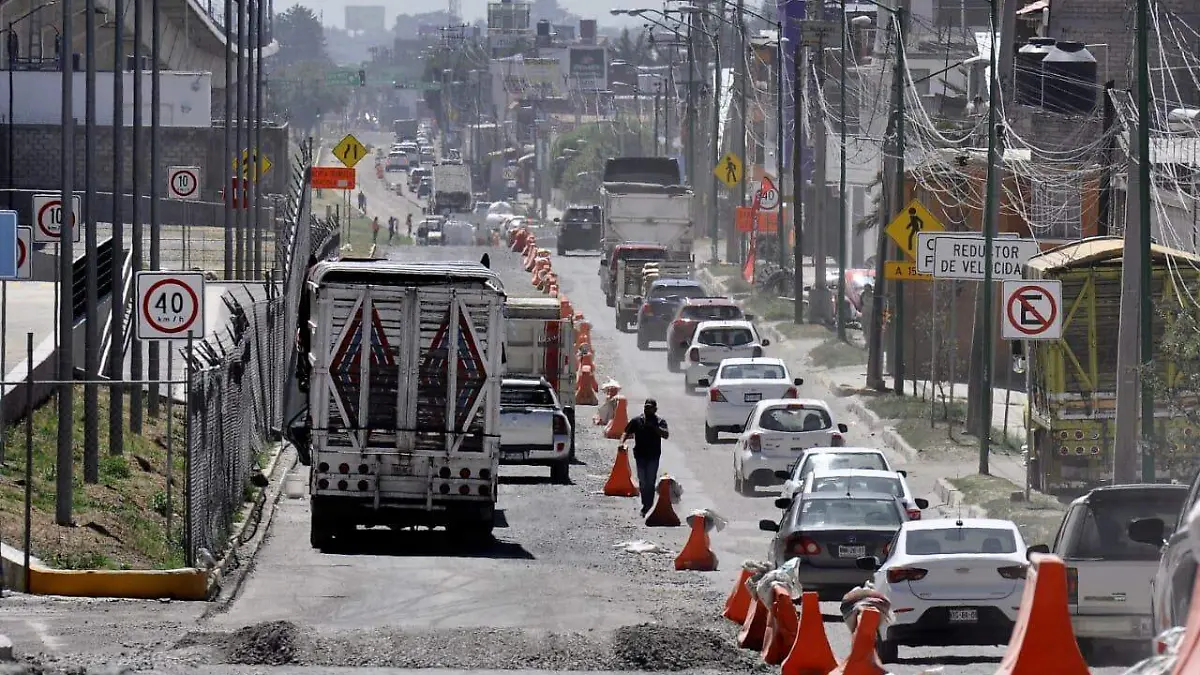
x=1177, y=355
x=635, y=51
x=578, y=157
x=301, y=38
x=300, y=94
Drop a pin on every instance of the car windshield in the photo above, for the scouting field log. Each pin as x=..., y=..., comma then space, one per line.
x=848, y=513
x=1104, y=530
x=753, y=371
x=795, y=419
x=678, y=291
x=523, y=395
x=830, y=461
x=712, y=312
x=725, y=337
x=956, y=540
x=852, y=484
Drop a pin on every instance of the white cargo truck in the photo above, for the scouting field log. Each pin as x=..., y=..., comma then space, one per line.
x=541, y=343
x=642, y=201
x=401, y=367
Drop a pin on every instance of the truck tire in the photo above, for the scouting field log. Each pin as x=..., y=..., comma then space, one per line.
x=673, y=363
x=610, y=300
x=710, y=435
x=643, y=342
x=560, y=472
x=562, y=251
x=321, y=529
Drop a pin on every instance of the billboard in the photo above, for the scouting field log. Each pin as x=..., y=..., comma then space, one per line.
x=523, y=77
x=588, y=69
x=366, y=18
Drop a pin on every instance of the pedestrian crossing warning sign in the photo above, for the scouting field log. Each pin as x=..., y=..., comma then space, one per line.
x=910, y=222
x=903, y=270
x=729, y=169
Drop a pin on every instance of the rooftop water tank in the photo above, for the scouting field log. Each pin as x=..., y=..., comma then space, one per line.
x=1070, y=79
x=1029, y=70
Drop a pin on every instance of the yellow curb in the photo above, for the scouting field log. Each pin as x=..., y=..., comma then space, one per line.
x=177, y=584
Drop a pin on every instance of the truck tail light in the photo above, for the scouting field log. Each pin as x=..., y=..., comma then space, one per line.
x=694, y=355
x=754, y=443
x=561, y=426
x=805, y=546
x=1013, y=571
x=898, y=574
x=1072, y=586
x=715, y=396
x=837, y=441
x=791, y=393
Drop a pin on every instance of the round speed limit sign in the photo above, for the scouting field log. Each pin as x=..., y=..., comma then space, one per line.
x=768, y=195
x=183, y=182
x=170, y=305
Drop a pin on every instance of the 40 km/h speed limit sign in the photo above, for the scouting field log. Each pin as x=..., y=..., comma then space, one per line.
x=183, y=182
x=48, y=218
x=768, y=194
x=170, y=305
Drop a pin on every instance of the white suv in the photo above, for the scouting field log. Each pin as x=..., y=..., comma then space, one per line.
x=715, y=341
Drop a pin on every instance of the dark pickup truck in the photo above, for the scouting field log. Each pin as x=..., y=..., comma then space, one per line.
x=580, y=228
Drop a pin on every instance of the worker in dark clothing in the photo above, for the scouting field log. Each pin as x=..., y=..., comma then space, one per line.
x=647, y=431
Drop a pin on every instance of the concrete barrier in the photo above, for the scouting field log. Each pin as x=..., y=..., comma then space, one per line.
x=177, y=584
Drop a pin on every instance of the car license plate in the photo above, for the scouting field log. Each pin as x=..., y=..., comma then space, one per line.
x=514, y=455
x=752, y=398
x=964, y=615
x=852, y=551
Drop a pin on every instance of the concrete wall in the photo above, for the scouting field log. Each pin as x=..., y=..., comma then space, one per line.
x=186, y=98
x=37, y=149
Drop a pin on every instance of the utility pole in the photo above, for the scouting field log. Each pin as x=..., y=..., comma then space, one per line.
x=116, y=352
x=136, y=394
x=1135, y=347
x=156, y=178
x=898, y=184
x=259, y=89
x=243, y=165
x=229, y=155
x=800, y=85
x=691, y=109
x=733, y=246
x=65, y=465
x=818, y=297
x=780, y=184
x=999, y=88
x=713, y=213
x=91, y=339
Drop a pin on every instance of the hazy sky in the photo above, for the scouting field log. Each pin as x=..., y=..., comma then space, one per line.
x=334, y=10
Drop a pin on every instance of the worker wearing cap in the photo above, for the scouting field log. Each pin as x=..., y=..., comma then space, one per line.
x=647, y=431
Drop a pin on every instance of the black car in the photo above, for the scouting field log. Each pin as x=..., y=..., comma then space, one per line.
x=425, y=188
x=659, y=307
x=580, y=228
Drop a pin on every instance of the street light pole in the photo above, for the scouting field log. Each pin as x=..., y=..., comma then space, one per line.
x=116, y=347
x=228, y=155
x=136, y=398
x=153, y=371
x=91, y=355
x=65, y=464
x=780, y=183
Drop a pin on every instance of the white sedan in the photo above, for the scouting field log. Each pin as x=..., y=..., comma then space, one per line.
x=837, y=456
x=715, y=341
x=778, y=432
x=738, y=387
x=951, y=583
x=849, y=481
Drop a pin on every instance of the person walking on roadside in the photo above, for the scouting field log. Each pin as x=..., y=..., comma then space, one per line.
x=375, y=230
x=392, y=222
x=647, y=431
x=362, y=202
x=408, y=222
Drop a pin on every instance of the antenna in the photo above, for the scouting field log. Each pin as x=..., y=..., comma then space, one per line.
x=454, y=9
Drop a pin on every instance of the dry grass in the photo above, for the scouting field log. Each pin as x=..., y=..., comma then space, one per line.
x=121, y=521
x=1037, y=519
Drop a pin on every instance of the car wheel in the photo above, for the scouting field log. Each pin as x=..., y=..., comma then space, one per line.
x=888, y=652
x=746, y=486
x=688, y=388
x=561, y=472
x=643, y=342
x=562, y=251
x=710, y=434
x=611, y=301
x=673, y=363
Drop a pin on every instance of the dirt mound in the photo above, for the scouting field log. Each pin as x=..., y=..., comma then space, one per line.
x=273, y=643
x=655, y=647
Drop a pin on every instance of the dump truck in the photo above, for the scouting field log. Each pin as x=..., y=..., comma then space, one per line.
x=642, y=201
x=451, y=189
x=399, y=369
x=1072, y=381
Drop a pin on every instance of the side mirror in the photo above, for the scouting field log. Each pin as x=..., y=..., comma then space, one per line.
x=867, y=563
x=782, y=475
x=783, y=502
x=749, y=317
x=703, y=382
x=921, y=503
x=1036, y=548
x=902, y=472
x=765, y=342
x=768, y=525
x=841, y=427
x=1150, y=531
x=557, y=220
x=798, y=381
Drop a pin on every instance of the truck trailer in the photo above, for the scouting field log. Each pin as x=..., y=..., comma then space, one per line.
x=642, y=201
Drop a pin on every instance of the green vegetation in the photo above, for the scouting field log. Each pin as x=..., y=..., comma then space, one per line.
x=121, y=520
x=770, y=309
x=358, y=233
x=931, y=428
x=802, y=331
x=833, y=353
x=578, y=157
x=1037, y=519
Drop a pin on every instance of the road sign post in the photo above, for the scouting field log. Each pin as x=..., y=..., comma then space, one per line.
x=10, y=246
x=926, y=240
x=909, y=223
x=729, y=170
x=350, y=151
x=768, y=194
x=332, y=178
x=48, y=217
x=170, y=305
x=817, y=33
x=963, y=257
x=183, y=182
x=24, y=253
x=1032, y=310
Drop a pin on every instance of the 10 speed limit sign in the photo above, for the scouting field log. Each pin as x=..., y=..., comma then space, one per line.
x=170, y=305
x=183, y=182
x=48, y=218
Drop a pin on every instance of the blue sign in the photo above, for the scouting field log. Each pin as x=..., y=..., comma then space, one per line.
x=8, y=245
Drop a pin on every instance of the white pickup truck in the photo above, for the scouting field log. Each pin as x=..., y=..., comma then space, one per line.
x=534, y=429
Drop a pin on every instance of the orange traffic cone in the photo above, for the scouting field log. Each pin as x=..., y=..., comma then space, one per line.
x=697, y=553
x=782, y=626
x=738, y=602
x=564, y=307
x=864, y=660
x=662, y=514
x=810, y=653
x=616, y=426
x=1042, y=639
x=620, y=479
x=586, y=387
x=754, y=628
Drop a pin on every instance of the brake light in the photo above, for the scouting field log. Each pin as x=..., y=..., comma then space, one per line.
x=898, y=574
x=754, y=443
x=715, y=396
x=914, y=514
x=694, y=355
x=646, y=309
x=791, y=393
x=806, y=546
x=1072, y=586
x=562, y=427
x=1012, y=571
x=837, y=441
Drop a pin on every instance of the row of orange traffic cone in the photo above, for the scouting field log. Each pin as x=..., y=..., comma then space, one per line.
x=1042, y=641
